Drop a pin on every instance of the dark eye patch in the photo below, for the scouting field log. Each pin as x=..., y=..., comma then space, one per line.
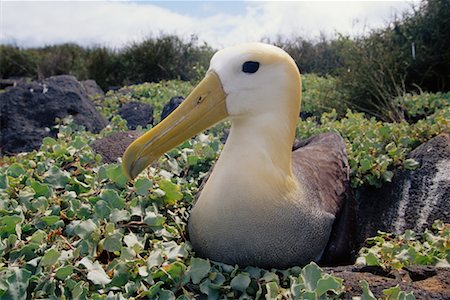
x=250, y=67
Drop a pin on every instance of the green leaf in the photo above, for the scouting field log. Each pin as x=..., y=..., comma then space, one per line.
x=8, y=224
x=384, y=131
x=15, y=170
x=311, y=274
x=372, y=259
x=155, y=259
x=63, y=272
x=206, y=287
x=367, y=293
x=57, y=178
x=387, y=176
x=102, y=209
x=115, y=174
x=172, y=192
x=166, y=295
x=142, y=186
x=4, y=182
x=154, y=219
x=199, y=269
x=49, y=141
x=85, y=228
x=78, y=143
x=119, y=215
x=41, y=189
x=240, y=282
x=329, y=284
x=113, y=243
x=272, y=290
x=410, y=164
x=80, y=290
x=50, y=257
x=365, y=165
x=132, y=241
x=17, y=284
x=96, y=274
x=114, y=200
x=50, y=220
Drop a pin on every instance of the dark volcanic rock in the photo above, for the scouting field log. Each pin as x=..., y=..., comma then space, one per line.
x=414, y=199
x=29, y=110
x=137, y=113
x=434, y=284
x=113, y=146
x=92, y=88
x=173, y=103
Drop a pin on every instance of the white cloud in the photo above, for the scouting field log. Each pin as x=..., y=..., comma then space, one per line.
x=117, y=23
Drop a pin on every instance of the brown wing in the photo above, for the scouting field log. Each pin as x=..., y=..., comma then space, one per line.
x=320, y=162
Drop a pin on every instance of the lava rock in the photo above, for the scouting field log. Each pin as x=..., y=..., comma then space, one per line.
x=137, y=113
x=414, y=199
x=28, y=111
x=92, y=88
x=173, y=103
x=112, y=147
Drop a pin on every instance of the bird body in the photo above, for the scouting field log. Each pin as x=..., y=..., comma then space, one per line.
x=263, y=205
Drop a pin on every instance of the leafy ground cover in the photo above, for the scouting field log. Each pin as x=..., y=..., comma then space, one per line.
x=72, y=227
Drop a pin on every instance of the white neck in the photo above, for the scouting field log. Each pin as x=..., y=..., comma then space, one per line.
x=255, y=162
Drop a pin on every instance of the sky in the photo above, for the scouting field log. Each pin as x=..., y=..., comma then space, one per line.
x=218, y=23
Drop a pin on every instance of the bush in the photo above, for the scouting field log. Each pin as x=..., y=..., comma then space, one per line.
x=105, y=66
x=62, y=59
x=152, y=60
x=16, y=62
x=321, y=94
x=378, y=68
x=166, y=57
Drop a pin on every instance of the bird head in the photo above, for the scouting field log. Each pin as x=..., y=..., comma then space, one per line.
x=246, y=81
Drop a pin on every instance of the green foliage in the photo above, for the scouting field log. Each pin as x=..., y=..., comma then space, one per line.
x=418, y=107
x=321, y=94
x=73, y=227
x=165, y=57
x=397, y=251
x=393, y=293
x=321, y=57
x=151, y=60
x=381, y=66
x=15, y=61
x=376, y=148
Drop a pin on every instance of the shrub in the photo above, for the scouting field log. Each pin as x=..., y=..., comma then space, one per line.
x=62, y=59
x=321, y=94
x=14, y=61
x=105, y=66
x=166, y=57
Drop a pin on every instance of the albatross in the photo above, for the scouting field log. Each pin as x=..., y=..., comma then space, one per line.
x=263, y=204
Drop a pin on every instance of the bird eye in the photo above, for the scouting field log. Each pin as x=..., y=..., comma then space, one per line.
x=250, y=67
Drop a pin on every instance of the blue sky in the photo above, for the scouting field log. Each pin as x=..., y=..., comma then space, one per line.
x=219, y=23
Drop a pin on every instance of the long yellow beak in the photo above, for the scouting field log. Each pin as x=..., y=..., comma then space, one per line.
x=204, y=107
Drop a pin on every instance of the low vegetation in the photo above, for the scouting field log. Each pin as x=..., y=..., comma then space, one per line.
x=72, y=227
